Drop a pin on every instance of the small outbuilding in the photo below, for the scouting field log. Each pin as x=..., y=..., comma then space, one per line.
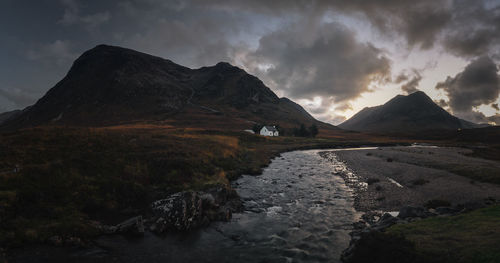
x=269, y=131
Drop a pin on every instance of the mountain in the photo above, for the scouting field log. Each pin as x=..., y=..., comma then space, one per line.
x=110, y=85
x=8, y=114
x=414, y=112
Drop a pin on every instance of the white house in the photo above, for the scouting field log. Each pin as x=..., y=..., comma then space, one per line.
x=269, y=131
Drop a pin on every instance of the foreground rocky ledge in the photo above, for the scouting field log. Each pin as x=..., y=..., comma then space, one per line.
x=182, y=211
x=369, y=242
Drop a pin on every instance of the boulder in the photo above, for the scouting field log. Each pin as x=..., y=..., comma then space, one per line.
x=411, y=211
x=180, y=211
x=446, y=210
x=385, y=221
x=134, y=225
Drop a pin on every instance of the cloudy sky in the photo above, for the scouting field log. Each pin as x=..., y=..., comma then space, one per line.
x=334, y=57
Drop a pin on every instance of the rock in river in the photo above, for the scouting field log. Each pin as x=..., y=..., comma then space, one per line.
x=180, y=211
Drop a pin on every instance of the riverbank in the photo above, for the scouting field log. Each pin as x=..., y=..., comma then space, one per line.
x=58, y=181
x=295, y=211
x=442, y=192
x=403, y=176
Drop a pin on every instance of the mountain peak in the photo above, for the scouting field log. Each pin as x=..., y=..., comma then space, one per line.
x=419, y=94
x=108, y=85
x=410, y=113
x=224, y=64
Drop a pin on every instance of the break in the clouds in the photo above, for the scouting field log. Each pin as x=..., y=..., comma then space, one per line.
x=478, y=84
x=329, y=53
x=329, y=63
x=409, y=81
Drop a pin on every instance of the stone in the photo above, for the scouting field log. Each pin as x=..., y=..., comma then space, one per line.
x=134, y=225
x=385, y=221
x=208, y=200
x=445, y=210
x=180, y=211
x=411, y=211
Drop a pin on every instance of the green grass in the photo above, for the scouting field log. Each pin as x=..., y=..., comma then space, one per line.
x=471, y=237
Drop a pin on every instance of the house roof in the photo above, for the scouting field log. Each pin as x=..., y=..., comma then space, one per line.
x=271, y=128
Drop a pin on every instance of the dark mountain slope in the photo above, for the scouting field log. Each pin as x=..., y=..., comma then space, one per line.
x=9, y=114
x=110, y=85
x=415, y=112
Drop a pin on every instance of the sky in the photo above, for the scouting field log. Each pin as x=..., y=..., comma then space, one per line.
x=334, y=57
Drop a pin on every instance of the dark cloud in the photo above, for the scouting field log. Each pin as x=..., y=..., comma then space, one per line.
x=418, y=21
x=466, y=28
x=475, y=29
x=401, y=78
x=411, y=80
x=72, y=16
x=329, y=62
x=495, y=119
x=478, y=84
x=287, y=43
x=442, y=103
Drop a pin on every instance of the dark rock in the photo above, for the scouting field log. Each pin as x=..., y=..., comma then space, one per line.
x=371, y=217
x=410, y=211
x=181, y=211
x=208, y=200
x=134, y=225
x=446, y=210
x=359, y=225
x=184, y=211
x=385, y=221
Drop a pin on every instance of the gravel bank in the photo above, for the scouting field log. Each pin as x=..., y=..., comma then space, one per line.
x=401, y=176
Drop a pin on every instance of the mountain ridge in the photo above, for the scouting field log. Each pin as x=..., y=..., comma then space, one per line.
x=109, y=85
x=411, y=113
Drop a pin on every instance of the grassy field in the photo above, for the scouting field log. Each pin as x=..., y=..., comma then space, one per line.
x=471, y=237
x=54, y=180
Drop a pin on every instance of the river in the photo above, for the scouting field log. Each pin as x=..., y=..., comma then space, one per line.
x=298, y=210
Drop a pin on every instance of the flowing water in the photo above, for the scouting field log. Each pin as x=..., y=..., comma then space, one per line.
x=298, y=210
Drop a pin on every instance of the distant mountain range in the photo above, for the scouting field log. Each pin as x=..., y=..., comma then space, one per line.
x=110, y=85
x=406, y=114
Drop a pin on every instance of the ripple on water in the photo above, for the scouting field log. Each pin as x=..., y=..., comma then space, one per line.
x=304, y=216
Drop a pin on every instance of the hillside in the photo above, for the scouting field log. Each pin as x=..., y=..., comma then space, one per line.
x=110, y=85
x=414, y=112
